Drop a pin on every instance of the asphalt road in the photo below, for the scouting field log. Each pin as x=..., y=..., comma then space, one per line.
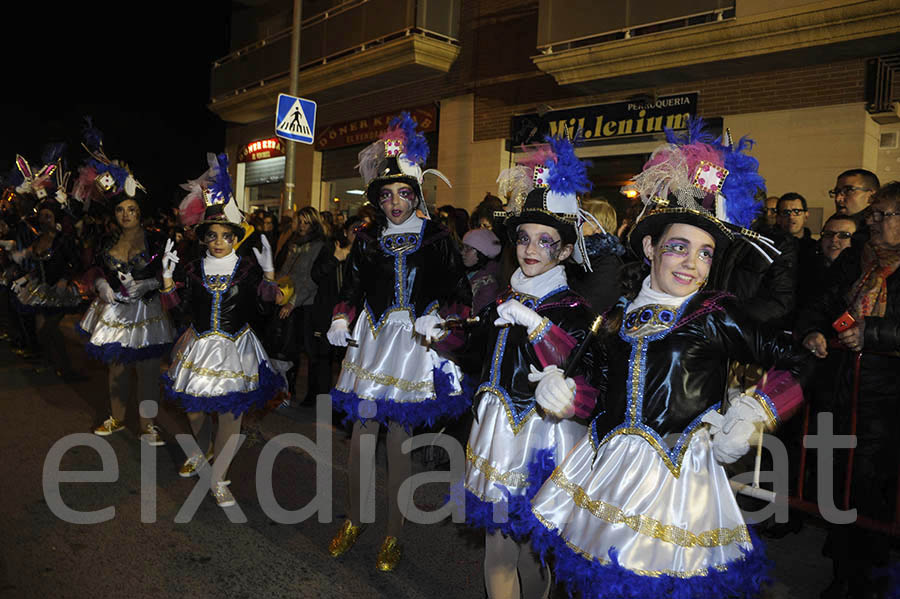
x=44, y=556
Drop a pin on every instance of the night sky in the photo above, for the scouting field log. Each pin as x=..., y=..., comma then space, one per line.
x=140, y=70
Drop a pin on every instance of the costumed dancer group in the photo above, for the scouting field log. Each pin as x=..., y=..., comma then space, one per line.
x=567, y=468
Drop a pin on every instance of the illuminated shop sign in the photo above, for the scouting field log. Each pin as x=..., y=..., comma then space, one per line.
x=261, y=149
x=607, y=121
x=367, y=130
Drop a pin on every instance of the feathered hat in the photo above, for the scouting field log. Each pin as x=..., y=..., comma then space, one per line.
x=543, y=188
x=706, y=182
x=101, y=179
x=210, y=199
x=397, y=157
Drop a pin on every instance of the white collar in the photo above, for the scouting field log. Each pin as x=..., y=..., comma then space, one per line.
x=649, y=296
x=411, y=225
x=219, y=266
x=540, y=285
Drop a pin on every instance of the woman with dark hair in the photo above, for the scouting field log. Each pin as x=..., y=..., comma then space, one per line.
x=218, y=365
x=126, y=326
x=400, y=266
x=525, y=336
x=299, y=254
x=628, y=514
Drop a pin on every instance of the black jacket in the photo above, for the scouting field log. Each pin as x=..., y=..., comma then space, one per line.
x=145, y=265
x=679, y=374
x=404, y=271
x=222, y=304
x=765, y=291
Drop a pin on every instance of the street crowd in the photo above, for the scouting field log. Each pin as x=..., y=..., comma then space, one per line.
x=561, y=341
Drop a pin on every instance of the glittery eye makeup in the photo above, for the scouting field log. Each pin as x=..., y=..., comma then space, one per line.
x=544, y=241
x=680, y=248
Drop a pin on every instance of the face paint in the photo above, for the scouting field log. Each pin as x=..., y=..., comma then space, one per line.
x=539, y=248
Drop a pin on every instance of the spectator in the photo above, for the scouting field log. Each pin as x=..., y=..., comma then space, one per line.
x=791, y=219
x=852, y=194
x=299, y=255
x=835, y=237
x=600, y=287
x=483, y=215
x=864, y=282
x=770, y=213
x=480, y=248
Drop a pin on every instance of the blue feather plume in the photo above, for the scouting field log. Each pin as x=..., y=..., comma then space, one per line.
x=13, y=178
x=118, y=173
x=52, y=152
x=415, y=146
x=220, y=181
x=93, y=137
x=569, y=174
x=696, y=133
x=742, y=184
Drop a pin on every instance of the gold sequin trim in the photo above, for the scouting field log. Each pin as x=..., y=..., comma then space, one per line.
x=385, y=379
x=509, y=415
x=131, y=325
x=509, y=479
x=541, y=328
x=383, y=318
x=674, y=467
x=653, y=573
x=771, y=419
x=647, y=526
x=221, y=374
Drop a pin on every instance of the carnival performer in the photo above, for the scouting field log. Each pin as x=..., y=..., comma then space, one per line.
x=628, y=514
x=527, y=335
x=218, y=364
x=126, y=326
x=48, y=289
x=401, y=266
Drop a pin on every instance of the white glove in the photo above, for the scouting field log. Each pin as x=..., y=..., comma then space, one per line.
x=18, y=284
x=427, y=326
x=169, y=259
x=7, y=244
x=555, y=393
x=137, y=289
x=514, y=312
x=104, y=291
x=264, y=256
x=338, y=333
x=732, y=433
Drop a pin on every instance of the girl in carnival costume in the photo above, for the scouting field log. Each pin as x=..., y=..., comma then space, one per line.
x=218, y=364
x=126, y=326
x=401, y=266
x=520, y=433
x=48, y=289
x=627, y=514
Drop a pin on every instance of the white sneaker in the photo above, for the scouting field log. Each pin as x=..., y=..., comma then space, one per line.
x=223, y=496
x=190, y=466
x=151, y=436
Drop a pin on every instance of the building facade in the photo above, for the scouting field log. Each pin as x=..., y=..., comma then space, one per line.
x=811, y=82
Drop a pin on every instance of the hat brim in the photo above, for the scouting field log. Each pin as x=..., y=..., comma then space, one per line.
x=658, y=219
x=540, y=217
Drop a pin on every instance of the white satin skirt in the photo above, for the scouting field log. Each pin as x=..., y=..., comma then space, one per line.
x=135, y=325
x=498, y=457
x=393, y=369
x=215, y=373
x=625, y=497
x=38, y=296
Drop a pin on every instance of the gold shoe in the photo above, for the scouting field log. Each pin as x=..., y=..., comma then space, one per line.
x=344, y=539
x=388, y=555
x=109, y=426
x=189, y=468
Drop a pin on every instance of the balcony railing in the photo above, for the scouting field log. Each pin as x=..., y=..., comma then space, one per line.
x=348, y=28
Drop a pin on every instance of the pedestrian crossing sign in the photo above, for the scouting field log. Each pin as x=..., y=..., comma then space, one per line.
x=295, y=119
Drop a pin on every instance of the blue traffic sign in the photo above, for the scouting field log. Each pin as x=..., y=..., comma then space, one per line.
x=295, y=119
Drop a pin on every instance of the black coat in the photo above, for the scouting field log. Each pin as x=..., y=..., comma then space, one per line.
x=685, y=371
x=145, y=265
x=383, y=278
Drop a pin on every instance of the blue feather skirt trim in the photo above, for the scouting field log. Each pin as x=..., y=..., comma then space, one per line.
x=447, y=403
x=514, y=518
x=236, y=402
x=589, y=578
